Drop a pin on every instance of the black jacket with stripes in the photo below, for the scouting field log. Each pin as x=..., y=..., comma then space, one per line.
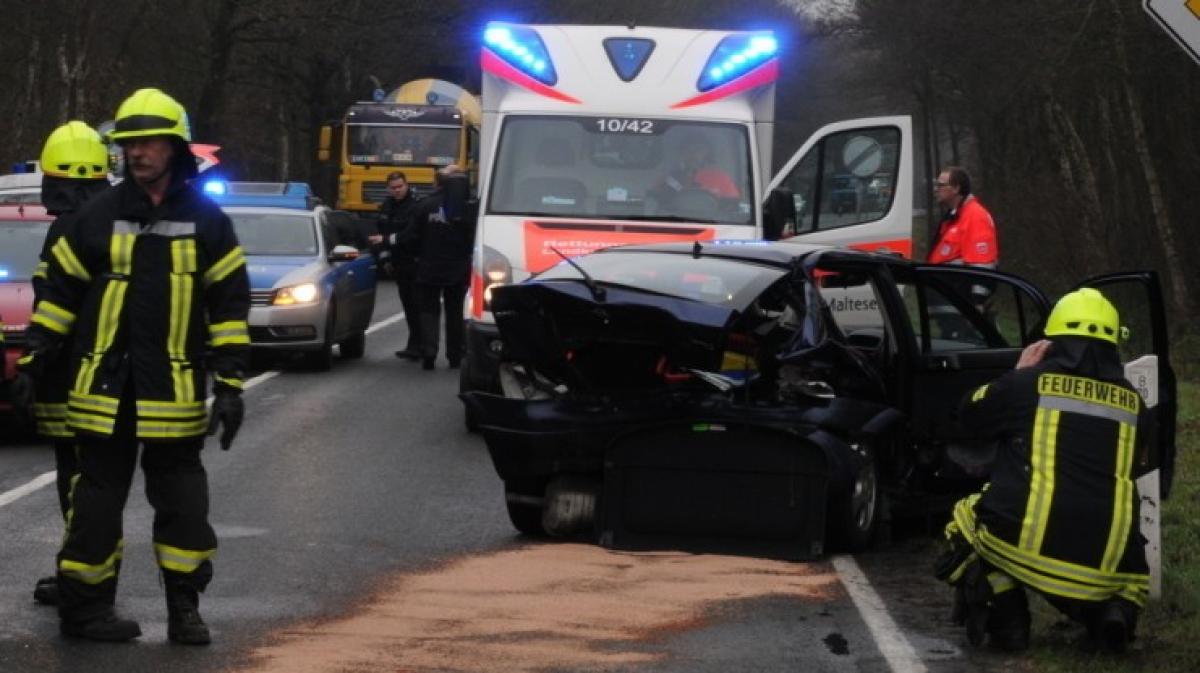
x=154, y=296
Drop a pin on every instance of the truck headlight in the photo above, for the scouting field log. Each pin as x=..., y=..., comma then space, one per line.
x=304, y=293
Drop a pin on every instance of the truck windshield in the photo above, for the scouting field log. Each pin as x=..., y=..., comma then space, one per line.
x=623, y=168
x=402, y=145
x=275, y=234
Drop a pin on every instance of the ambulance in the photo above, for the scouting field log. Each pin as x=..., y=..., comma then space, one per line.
x=594, y=136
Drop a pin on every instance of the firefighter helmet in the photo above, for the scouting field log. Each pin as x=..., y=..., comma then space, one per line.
x=1084, y=313
x=150, y=112
x=74, y=150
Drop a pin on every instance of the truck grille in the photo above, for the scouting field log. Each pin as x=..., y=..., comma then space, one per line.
x=374, y=192
x=261, y=297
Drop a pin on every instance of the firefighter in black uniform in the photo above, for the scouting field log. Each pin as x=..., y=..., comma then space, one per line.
x=442, y=232
x=1060, y=512
x=74, y=169
x=150, y=280
x=399, y=260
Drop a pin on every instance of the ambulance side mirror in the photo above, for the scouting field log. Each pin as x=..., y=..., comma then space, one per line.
x=778, y=212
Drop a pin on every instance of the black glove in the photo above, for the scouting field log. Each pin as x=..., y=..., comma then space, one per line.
x=29, y=368
x=227, y=409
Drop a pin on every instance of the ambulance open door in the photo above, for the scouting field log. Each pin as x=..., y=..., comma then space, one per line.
x=850, y=184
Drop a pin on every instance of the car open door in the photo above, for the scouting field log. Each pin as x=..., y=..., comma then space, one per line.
x=850, y=184
x=961, y=343
x=1138, y=298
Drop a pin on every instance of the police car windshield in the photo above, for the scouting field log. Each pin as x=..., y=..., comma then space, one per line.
x=623, y=168
x=20, y=245
x=396, y=145
x=275, y=234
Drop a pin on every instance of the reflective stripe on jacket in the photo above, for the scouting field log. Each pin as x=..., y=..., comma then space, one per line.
x=1060, y=512
x=146, y=291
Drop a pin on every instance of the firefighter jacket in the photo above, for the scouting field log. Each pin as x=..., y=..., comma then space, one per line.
x=967, y=236
x=1060, y=512
x=62, y=197
x=145, y=290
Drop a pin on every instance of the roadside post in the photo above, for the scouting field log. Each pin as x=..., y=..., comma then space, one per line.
x=1143, y=374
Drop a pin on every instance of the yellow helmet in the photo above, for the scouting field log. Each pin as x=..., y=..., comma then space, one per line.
x=1084, y=313
x=74, y=150
x=150, y=112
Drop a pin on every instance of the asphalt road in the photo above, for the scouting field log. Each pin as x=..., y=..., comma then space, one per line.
x=362, y=528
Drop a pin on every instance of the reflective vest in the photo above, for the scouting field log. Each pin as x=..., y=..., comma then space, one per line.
x=967, y=236
x=1060, y=511
x=145, y=291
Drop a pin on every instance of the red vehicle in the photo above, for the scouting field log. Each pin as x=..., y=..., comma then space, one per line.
x=22, y=230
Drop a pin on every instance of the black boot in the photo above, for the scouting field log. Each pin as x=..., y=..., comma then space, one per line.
x=184, y=624
x=1114, y=626
x=46, y=590
x=108, y=627
x=1008, y=621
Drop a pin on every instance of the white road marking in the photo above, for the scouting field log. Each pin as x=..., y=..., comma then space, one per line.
x=21, y=491
x=896, y=649
x=48, y=478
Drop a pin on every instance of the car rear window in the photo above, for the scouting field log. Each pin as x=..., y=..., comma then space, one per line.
x=724, y=282
x=20, y=246
x=275, y=233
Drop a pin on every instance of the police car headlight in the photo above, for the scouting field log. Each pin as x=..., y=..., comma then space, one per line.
x=304, y=293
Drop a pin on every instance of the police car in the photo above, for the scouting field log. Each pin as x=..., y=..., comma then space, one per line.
x=311, y=285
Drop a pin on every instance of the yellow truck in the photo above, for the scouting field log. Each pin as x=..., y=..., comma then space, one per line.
x=417, y=128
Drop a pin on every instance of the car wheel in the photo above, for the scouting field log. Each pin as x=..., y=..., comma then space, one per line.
x=524, y=503
x=854, y=515
x=354, y=347
x=322, y=359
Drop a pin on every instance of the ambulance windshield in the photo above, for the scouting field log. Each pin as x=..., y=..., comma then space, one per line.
x=623, y=168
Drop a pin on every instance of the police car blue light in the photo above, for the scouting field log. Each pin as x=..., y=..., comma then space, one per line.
x=735, y=56
x=267, y=194
x=215, y=188
x=523, y=49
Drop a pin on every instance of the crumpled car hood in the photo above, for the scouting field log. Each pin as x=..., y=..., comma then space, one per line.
x=551, y=324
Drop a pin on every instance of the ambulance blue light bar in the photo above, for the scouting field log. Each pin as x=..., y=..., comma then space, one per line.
x=735, y=56
x=521, y=48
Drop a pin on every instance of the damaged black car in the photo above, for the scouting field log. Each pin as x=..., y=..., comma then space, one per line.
x=778, y=399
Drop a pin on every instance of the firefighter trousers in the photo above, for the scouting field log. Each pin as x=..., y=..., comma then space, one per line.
x=65, y=465
x=177, y=488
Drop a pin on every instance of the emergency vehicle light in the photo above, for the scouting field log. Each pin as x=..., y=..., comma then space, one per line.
x=215, y=188
x=523, y=49
x=735, y=56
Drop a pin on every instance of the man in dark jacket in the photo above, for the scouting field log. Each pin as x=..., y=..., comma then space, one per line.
x=150, y=281
x=1060, y=512
x=74, y=169
x=442, y=233
x=399, y=260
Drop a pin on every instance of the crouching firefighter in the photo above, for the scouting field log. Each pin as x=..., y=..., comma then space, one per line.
x=1060, y=512
x=147, y=277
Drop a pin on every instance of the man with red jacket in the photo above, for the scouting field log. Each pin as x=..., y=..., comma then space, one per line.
x=967, y=234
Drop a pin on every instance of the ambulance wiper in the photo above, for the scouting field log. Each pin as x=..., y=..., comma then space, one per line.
x=668, y=218
x=598, y=292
